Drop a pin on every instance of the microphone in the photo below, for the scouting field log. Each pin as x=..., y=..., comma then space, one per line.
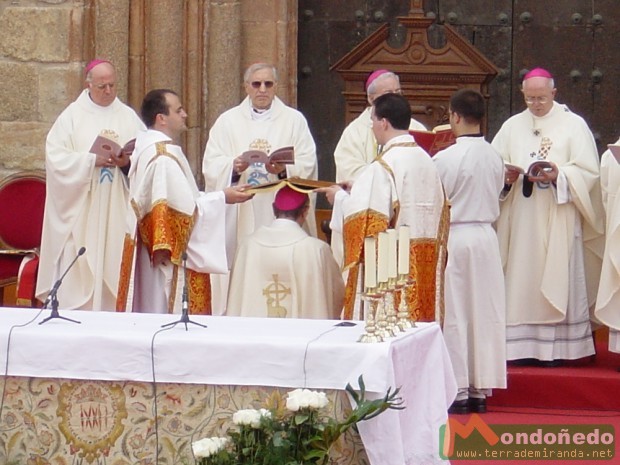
x=52, y=296
x=184, y=301
x=185, y=297
x=57, y=284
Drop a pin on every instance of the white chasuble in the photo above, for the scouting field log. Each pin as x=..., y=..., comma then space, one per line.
x=608, y=298
x=85, y=205
x=541, y=227
x=281, y=271
x=235, y=132
x=551, y=241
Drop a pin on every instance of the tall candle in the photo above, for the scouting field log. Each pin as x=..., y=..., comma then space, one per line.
x=370, y=262
x=403, y=250
x=392, y=258
x=382, y=267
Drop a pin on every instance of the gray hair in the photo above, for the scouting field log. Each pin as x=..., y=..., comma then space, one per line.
x=257, y=67
x=550, y=81
x=372, y=88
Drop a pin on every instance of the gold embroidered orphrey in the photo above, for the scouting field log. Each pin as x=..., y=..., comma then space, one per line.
x=545, y=146
x=276, y=292
x=91, y=417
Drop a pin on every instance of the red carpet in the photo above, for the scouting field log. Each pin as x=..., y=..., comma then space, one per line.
x=583, y=391
x=580, y=384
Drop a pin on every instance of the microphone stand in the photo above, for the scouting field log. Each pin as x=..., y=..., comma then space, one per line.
x=185, y=305
x=53, y=295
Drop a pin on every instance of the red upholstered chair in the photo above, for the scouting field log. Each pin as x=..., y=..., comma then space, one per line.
x=22, y=200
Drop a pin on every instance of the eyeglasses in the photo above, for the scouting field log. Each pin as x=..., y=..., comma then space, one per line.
x=258, y=84
x=533, y=100
x=103, y=86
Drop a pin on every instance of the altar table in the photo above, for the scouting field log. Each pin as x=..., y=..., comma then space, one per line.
x=101, y=378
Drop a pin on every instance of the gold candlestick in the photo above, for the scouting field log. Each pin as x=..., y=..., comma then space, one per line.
x=380, y=315
x=390, y=309
x=371, y=297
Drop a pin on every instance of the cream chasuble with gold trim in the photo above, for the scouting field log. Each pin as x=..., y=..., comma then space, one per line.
x=164, y=197
x=85, y=205
x=401, y=187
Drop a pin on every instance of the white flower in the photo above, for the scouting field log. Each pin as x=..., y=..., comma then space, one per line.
x=208, y=446
x=250, y=417
x=305, y=398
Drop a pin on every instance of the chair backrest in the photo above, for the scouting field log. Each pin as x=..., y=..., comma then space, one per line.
x=22, y=201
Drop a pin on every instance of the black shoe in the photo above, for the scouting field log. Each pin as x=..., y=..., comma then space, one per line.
x=523, y=362
x=477, y=405
x=550, y=363
x=459, y=407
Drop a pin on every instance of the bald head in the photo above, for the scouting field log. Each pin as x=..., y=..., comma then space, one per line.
x=101, y=83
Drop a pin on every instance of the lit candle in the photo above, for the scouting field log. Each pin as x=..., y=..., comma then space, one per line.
x=382, y=268
x=392, y=258
x=403, y=250
x=370, y=263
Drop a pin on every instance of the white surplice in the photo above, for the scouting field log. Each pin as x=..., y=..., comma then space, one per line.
x=551, y=241
x=474, y=328
x=235, y=132
x=160, y=176
x=281, y=271
x=608, y=298
x=401, y=187
x=85, y=205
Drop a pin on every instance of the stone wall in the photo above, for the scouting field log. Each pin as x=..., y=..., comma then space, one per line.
x=197, y=47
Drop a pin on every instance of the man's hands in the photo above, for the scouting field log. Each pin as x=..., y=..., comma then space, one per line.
x=121, y=159
x=511, y=175
x=547, y=175
x=551, y=175
x=331, y=191
x=239, y=165
x=275, y=168
x=161, y=257
x=237, y=194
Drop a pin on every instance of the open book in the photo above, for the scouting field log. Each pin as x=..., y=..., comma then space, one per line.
x=534, y=169
x=433, y=141
x=284, y=156
x=109, y=148
x=296, y=183
x=615, y=151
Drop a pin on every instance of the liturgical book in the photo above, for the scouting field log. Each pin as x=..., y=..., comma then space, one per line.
x=284, y=156
x=534, y=169
x=295, y=183
x=433, y=141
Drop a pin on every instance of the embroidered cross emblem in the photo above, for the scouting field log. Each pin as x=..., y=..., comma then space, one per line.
x=276, y=292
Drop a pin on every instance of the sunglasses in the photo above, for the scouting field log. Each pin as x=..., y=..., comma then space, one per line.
x=258, y=84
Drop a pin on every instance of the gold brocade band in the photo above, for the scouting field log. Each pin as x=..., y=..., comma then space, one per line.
x=422, y=273
x=165, y=228
x=125, y=273
x=199, y=290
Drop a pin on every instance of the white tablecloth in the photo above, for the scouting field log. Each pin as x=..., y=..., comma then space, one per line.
x=249, y=351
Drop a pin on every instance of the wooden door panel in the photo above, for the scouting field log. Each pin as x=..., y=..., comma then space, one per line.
x=605, y=53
